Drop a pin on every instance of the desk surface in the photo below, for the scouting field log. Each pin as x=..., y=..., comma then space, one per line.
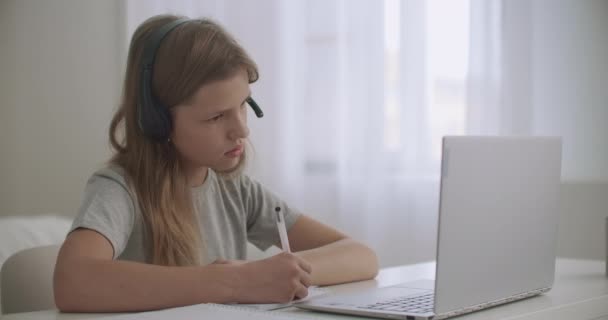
x=580, y=292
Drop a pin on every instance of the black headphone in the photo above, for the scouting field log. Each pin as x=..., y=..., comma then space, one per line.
x=153, y=117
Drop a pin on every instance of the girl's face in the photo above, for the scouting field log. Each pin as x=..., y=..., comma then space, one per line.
x=209, y=131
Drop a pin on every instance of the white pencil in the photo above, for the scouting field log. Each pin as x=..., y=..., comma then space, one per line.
x=282, y=230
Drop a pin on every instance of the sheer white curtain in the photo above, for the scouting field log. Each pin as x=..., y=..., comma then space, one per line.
x=357, y=95
x=369, y=90
x=501, y=68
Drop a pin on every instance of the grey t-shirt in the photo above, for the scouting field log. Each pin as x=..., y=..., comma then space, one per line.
x=230, y=213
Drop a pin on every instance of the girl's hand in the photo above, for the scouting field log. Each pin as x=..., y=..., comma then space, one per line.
x=278, y=279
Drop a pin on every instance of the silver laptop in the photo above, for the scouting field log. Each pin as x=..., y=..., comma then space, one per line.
x=497, y=234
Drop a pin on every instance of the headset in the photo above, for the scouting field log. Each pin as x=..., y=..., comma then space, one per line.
x=154, y=118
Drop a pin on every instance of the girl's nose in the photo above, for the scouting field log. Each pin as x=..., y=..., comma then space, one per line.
x=240, y=130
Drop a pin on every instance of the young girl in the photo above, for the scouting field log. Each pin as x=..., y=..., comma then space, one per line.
x=166, y=223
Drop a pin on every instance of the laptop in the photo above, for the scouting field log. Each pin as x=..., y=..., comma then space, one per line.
x=497, y=233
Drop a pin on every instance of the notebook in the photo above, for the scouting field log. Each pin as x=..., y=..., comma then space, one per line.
x=209, y=311
x=312, y=292
x=224, y=311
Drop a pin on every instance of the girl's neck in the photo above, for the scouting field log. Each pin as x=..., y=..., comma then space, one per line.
x=197, y=176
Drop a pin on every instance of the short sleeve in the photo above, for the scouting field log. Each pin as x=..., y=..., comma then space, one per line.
x=108, y=209
x=260, y=204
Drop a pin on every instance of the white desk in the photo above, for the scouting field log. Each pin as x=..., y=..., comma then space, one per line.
x=580, y=292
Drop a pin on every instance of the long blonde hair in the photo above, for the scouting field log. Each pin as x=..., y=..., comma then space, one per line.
x=193, y=54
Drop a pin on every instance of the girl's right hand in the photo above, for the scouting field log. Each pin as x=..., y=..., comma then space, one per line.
x=278, y=279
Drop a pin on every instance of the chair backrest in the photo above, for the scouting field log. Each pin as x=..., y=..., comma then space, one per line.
x=27, y=280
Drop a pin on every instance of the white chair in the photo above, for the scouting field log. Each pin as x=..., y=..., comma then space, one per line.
x=27, y=280
x=21, y=232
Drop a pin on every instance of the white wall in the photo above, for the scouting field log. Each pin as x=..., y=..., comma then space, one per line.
x=7, y=105
x=59, y=84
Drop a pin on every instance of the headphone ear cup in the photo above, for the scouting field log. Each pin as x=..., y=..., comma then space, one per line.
x=153, y=118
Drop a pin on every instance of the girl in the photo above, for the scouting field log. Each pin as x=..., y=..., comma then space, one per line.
x=166, y=223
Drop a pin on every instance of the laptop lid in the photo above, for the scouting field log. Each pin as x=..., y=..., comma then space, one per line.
x=498, y=219
x=497, y=230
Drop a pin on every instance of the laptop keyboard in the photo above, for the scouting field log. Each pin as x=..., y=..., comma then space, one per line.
x=415, y=304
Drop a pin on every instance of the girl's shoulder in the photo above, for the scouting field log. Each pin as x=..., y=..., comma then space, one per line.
x=110, y=175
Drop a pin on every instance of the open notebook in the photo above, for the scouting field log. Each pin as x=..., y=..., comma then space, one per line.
x=223, y=311
x=312, y=292
x=210, y=311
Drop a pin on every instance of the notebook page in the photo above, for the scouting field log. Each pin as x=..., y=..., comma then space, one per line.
x=312, y=292
x=208, y=311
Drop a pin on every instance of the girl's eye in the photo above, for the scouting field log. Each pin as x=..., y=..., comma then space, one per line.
x=216, y=118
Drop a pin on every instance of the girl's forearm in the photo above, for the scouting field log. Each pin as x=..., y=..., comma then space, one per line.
x=92, y=285
x=342, y=261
